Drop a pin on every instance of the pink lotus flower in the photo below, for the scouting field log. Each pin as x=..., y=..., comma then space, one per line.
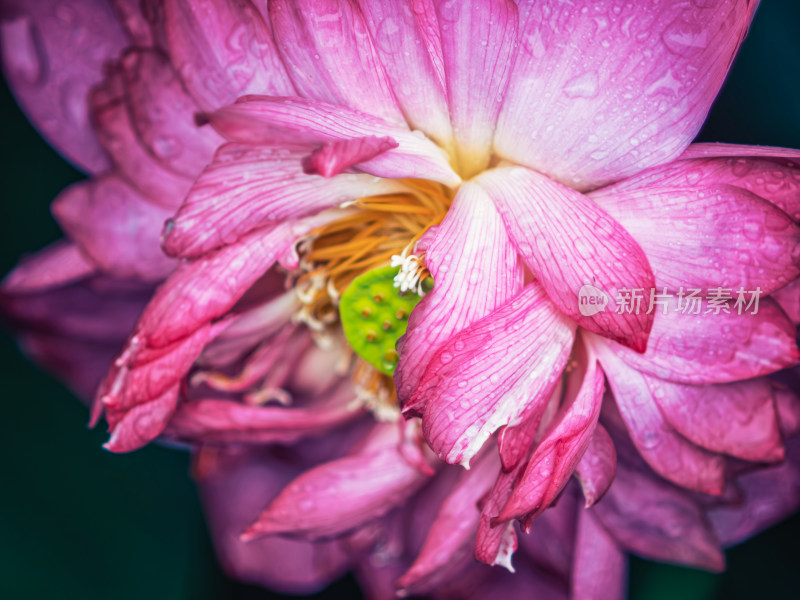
x=525, y=157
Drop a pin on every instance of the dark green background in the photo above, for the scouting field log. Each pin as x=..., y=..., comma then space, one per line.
x=78, y=522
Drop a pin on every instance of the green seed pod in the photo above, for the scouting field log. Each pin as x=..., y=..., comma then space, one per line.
x=374, y=315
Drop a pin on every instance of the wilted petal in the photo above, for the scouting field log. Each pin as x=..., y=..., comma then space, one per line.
x=266, y=120
x=488, y=375
x=716, y=348
x=475, y=270
x=265, y=182
x=700, y=231
x=335, y=157
x=557, y=454
x=667, y=452
x=568, y=242
x=373, y=482
x=115, y=227
x=596, y=95
x=58, y=264
x=657, y=521
x=330, y=56
x=400, y=35
x=478, y=46
x=53, y=52
x=597, y=467
x=600, y=570
x=223, y=50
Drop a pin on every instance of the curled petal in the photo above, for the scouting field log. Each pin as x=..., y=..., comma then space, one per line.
x=335, y=157
x=557, y=454
x=266, y=120
x=570, y=242
x=52, y=54
x=475, y=270
x=597, y=467
x=597, y=95
x=491, y=373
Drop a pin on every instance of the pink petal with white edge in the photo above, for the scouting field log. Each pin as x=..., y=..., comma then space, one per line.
x=601, y=568
x=339, y=496
x=489, y=374
x=163, y=114
x=52, y=53
x=570, y=242
x=558, y=452
x=450, y=537
x=657, y=521
x=335, y=157
x=597, y=95
x=400, y=39
x=58, y=264
x=701, y=230
x=267, y=184
x=476, y=270
x=115, y=227
x=597, y=467
x=669, y=454
x=223, y=50
x=330, y=56
x=204, y=289
x=716, y=348
x=735, y=418
x=268, y=120
x=495, y=543
x=213, y=421
x=479, y=40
